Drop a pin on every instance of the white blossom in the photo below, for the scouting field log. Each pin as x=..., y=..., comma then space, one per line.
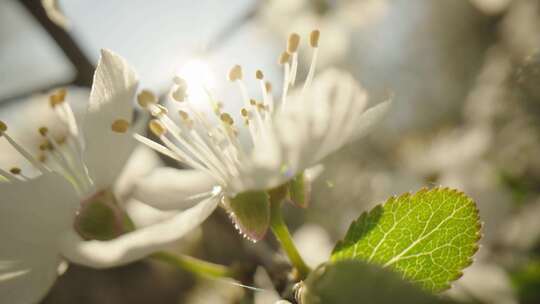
x=38, y=214
x=285, y=136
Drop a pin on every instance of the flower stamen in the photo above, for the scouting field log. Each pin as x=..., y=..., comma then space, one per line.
x=146, y=98
x=292, y=48
x=65, y=161
x=213, y=145
x=314, y=43
x=284, y=60
x=63, y=110
x=16, y=171
x=32, y=160
x=58, y=97
x=235, y=73
x=160, y=130
x=120, y=126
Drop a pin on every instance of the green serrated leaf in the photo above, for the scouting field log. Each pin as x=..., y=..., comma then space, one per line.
x=354, y=281
x=429, y=236
x=250, y=212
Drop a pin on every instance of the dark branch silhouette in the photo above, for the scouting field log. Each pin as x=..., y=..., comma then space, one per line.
x=73, y=52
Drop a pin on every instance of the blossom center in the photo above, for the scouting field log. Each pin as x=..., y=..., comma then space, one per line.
x=213, y=144
x=100, y=217
x=62, y=154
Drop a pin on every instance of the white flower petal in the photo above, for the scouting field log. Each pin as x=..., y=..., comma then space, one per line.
x=311, y=126
x=137, y=244
x=173, y=189
x=31, y=219
x=28, y=281
x=263, y=281
x=143, y=215
x=320, y=118
x=141, y=162
x=327, y=118
x=369, y=118
x=314, y=172
x=113, y=90
x=315, y=244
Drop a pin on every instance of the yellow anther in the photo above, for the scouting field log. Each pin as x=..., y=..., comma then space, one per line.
x=183, y=114
x=179, y=93
x=235, y=73
x=244, y=112
x=252, y=102
x=314, y=38
x=259, y=74
x=268, y=86
x=145, y=98
x=284, y=58
x=293, y=43
x=57, y=97
x=61, y=93
x=15, y=170
x=44, y=146
x=43, y=131
x=226, y=118
x=120, y=126
x=55, y=100
x=261, y=107
x=47, y=146
x=157, y=127
x=3, y=127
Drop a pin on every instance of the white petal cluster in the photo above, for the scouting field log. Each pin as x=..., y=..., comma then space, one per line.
x=37, y=214
x=285, y=134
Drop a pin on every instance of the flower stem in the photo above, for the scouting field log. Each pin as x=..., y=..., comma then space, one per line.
x=194, y=265
x=280, y=230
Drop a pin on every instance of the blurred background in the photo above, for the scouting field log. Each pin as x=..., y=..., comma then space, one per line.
x=465, y=76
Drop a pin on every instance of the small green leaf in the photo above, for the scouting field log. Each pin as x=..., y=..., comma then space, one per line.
x=250, y=212
x=429, y=236
x=100, y=218
x=299, y=190
x=353, y=281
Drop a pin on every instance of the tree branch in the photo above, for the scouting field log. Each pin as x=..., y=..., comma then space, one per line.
x=85, y=69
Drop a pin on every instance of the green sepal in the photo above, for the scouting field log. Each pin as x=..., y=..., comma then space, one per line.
x=354, y=281
x=250, y=212
x=299, y=190
x=100, y=218
x=279, y=194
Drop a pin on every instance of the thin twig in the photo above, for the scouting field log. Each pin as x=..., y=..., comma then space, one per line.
x=85, y=69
